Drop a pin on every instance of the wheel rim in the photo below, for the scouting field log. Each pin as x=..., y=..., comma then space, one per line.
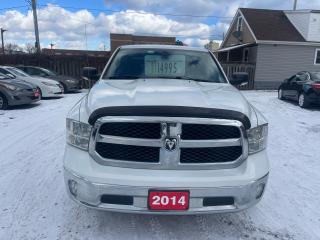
x=301, y=100
x=1, y=102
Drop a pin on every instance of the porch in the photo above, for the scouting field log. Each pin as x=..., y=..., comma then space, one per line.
x=239, y=58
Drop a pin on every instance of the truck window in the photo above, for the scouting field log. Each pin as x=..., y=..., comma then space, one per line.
x=164, y=63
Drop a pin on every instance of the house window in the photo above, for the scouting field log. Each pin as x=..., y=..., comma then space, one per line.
x=239, y=24
x=246, y=55
x=317, y=56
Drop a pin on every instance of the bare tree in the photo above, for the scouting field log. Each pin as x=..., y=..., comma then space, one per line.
x=212, y=45
x=30, y=48
x=12, y=48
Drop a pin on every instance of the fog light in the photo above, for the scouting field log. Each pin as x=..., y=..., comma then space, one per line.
x=260, y=190
x=73, y=187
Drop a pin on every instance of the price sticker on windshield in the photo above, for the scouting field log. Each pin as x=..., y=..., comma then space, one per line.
x=158, y=66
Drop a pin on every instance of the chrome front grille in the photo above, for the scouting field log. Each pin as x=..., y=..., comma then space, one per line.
x=132, y=130
x=128, y=152
x=209, y=131
x=210, y=155
x=168, y=143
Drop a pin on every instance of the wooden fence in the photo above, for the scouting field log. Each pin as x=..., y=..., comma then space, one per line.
x=65, y=65
x=72, y=65
x=230, y=68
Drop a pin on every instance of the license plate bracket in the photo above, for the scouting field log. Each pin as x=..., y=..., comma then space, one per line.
x=168, y=200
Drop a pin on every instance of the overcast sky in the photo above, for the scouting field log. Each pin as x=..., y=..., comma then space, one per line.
x=63, y=22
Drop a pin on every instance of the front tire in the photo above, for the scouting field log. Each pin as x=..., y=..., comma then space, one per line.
x=3, y=102
x=280, y=94
x=64, y=88
x=302, y=101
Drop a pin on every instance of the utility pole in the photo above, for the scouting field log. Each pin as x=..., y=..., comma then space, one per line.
x=85, y=36
x=51, y=46
x=2, y=42
x=35, y=21
x=295, y=5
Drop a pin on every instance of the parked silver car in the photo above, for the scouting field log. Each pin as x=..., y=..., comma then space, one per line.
x=48, y=88
x=69, y=84
x=16, y=92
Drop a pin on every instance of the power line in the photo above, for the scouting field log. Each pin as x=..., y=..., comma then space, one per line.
x=14, y=7
x=200, y=36
x=121, y=11
x=137, y=12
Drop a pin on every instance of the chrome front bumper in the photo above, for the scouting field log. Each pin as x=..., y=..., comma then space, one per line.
x=89, y=194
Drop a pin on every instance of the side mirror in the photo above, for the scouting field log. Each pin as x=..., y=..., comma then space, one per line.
x=89, y=76
x=89, y=72
x=239, y=78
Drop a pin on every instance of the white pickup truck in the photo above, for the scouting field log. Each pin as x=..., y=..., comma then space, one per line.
x=164, y=132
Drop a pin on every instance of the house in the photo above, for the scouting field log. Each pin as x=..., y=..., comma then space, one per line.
x=117, y=40
x=271, y=45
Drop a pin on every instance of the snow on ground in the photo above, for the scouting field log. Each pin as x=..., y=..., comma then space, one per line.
x=34, y=204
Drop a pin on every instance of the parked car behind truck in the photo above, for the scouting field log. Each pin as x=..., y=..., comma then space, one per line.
x=303, y=87
x=47, y=87
x=69, y=84
x=13, y=93
x=163, y=131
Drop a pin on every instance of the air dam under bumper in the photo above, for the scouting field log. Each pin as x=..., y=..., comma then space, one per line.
x=243, y=184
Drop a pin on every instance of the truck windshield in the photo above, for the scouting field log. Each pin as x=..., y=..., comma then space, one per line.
x=164, y=63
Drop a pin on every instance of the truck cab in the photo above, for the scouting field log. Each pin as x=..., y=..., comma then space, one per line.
x=164, y=131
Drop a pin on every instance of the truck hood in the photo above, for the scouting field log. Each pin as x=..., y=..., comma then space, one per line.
x=167, y=92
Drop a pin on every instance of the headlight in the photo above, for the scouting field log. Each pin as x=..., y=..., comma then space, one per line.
x=12, y=87
x=50, y=84
x=257, y=138
x=78, y=134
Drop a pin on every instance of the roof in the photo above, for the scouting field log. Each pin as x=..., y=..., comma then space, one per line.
x=302, y=11
x=235, y=47
x=158, y=46
x=121, y=36
x=271, y=25
x=75, y=52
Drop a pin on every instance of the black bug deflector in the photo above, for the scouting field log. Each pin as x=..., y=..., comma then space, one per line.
x=170, y=111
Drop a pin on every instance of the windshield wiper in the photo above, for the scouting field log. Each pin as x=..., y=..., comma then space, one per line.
x=124, y=77
x=193, y=79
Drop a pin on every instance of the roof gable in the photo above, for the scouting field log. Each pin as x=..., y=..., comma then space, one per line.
x=271, y=25
x=247, y=35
